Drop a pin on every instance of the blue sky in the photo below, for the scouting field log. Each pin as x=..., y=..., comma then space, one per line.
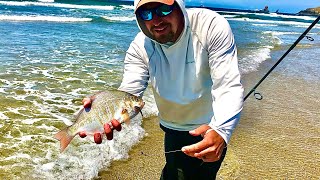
x=288, y=6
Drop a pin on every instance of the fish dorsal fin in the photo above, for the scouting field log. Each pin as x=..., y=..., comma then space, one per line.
x=76, y=116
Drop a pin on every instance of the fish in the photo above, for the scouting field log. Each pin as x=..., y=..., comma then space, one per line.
x=109, y=109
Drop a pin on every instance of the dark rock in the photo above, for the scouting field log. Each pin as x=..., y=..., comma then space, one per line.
x=310, y=12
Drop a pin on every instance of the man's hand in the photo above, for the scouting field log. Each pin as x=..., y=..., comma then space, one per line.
x=209, y=149
x=107, y=128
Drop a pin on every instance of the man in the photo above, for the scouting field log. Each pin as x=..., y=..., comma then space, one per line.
x=190, y=59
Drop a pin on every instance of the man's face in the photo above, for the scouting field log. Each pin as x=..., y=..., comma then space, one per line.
x=167, y=28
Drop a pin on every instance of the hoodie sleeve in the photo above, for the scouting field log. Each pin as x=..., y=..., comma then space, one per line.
x=136, y=74
x=227, y=90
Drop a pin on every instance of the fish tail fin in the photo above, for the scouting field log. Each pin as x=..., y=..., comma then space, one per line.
x=64, y=138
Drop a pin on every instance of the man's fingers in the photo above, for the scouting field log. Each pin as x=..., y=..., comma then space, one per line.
x=205, y=152
x=116, y=124
x=194, y=148
x=108, y=131
x=211, y=159
x=110, y=135
x=210, y=154
x=97, y=138
x=86, y=102
x=82, y=134
x=209, y=149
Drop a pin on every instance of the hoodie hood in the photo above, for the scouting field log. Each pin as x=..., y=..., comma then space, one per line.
x=145, y=31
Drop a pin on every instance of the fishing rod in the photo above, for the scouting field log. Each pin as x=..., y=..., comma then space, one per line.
x=257, y=95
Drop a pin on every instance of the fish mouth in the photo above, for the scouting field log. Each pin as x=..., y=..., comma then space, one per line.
x=137, y=109
x=133, y=113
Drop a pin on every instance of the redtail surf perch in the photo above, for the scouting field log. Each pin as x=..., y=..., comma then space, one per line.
x=109, y=109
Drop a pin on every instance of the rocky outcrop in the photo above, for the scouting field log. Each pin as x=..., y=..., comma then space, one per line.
x=310, y=12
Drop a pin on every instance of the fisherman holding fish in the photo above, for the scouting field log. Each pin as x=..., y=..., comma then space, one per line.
x=189, y=57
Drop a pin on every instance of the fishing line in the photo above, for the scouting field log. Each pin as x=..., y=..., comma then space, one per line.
x=258, y=95
x=167, y=152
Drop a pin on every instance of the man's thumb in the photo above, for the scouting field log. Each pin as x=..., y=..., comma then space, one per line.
x=200, y=130
x=86, y=102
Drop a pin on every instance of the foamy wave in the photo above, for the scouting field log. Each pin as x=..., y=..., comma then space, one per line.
x=272, y=15
x=2, y=116
x=229, y=16
x=277, y=33
x=17, y=110
x=18, y=156
x=48, y=4
x=43, y=18
x=293, y=23
x=47, y=128
x=51, y=1
x=2, y=90
x=253, y=58
x=115, y=18
x=270, y=25
x=30, y=121
x=84, y=159
x=127, y=7
x=269, y=21
x=317, y=26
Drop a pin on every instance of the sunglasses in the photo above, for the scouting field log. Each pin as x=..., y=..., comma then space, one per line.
x=160, y=11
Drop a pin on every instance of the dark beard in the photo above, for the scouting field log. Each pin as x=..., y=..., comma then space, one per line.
x=164, y=38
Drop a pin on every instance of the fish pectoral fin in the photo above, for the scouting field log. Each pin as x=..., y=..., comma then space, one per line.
x=125, y=118
x=64, y=139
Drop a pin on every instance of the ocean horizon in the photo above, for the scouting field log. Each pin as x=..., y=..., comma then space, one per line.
x=54, y=53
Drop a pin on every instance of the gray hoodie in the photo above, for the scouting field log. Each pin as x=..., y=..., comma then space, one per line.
x=195, y=80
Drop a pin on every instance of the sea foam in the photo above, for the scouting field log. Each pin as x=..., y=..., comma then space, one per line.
x=42, y=18
x=60, y=5
x=253, y=58
x=119, y=18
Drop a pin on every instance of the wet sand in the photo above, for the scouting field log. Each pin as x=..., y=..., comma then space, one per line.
x=146, y=159
x=279, y=137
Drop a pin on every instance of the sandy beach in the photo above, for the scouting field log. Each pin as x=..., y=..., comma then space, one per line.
x=277, y=137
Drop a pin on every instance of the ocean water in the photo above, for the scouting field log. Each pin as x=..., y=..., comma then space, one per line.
x=54, y=54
